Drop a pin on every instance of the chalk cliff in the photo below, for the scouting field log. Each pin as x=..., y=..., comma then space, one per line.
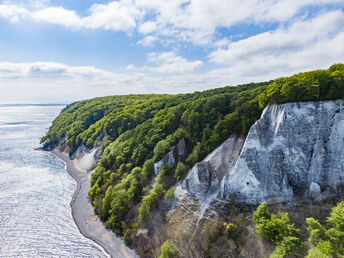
x=293, y=150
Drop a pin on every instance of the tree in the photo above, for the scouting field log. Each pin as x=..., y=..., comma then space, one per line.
x=195, y=155
x=169, y=194
x=277, y=229
x=327, y=242
x=107, y=203
x=164, y=173
x=148, y=169
x=168, y=250
x=150, y=202
x=180, y=171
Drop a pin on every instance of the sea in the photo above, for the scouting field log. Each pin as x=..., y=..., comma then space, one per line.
x=35, y=190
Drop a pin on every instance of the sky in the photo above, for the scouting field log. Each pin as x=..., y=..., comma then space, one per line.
x=59, y=51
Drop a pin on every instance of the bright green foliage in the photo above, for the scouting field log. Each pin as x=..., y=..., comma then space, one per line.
x=169, y=194
x=315, y=85
x=138, y=130
x=262, y=214
x=150, y=202
x=328, y=242
x=119, y=206
x=148, y=169
x=180, y=171
x=164, y=174
x=337, y=217
x=317, y=253
x=195, y=155
x=317, y=231
x=288, y=245
x=168, y=250
x=277, y=229
x=107, y=203
x=94, y=191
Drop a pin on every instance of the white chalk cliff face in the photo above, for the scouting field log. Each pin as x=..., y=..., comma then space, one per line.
x=205, y=177
x=294, y=149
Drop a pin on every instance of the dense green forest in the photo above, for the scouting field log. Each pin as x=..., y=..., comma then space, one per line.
x=135, y=131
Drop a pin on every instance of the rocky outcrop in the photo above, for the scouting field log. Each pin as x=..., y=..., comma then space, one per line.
x=293, y=150
x=178, y=153
x=206, y=176
x=85, y=158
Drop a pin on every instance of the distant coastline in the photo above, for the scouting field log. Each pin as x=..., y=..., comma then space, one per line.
x=87, y=222
x=32, y=104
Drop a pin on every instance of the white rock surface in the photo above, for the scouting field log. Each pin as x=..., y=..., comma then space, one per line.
x=314, y=191
x=88, y=160
x=85, y=159
x=293, y=149
x=205, y=177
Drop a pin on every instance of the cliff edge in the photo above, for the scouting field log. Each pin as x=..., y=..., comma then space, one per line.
x=293, y=150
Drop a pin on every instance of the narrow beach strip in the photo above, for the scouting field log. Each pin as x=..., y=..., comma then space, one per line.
x=88, y=223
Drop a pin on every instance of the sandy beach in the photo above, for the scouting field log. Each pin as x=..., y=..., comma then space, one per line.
x=87, y=222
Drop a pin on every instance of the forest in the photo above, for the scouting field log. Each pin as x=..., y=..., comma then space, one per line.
x=135, y=131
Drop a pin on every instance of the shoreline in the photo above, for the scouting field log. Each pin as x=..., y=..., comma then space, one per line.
x=83, y=215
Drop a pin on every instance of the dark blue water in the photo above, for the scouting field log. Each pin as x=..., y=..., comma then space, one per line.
x=35, y=190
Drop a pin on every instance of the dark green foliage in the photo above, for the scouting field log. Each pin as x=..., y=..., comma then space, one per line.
x=165, y=173
x=277, y=229
x=180, y=171
x=134, y=131
x=327, y=242
x=195, y=155
x=168, y=250
x=107, y=203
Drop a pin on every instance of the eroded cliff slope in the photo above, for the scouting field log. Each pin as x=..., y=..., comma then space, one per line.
x=293, y=150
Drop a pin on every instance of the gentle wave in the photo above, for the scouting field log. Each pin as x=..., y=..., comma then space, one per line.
x=35, y=191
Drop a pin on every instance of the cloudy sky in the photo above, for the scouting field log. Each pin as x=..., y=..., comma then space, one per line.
x=66, y=50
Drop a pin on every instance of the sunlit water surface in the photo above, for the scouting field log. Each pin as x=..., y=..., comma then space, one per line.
x=35, y=191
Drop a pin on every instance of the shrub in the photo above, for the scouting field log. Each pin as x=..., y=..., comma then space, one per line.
x=165, y=172
x=170, y=193
x=168, y=250
x=107, y=203
x=148, y=169
x=277, y=229
x=327, y=242
x=180, y=171
x=195, y=155
x=150, y=202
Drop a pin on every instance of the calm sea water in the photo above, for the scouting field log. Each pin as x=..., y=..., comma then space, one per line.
x=35, y=191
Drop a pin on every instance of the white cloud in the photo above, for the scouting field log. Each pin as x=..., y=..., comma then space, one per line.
x=131, y=67
x=58, y=15
x=13, y=13
x=27, y=3
x=148, y=27
x=186, y=20
x=54, y=82
x=170, y=63
x=49, y=70
x=147, y=41
x=117, y=16
x=196, y=21
x=299, y=44
x=300, y=36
